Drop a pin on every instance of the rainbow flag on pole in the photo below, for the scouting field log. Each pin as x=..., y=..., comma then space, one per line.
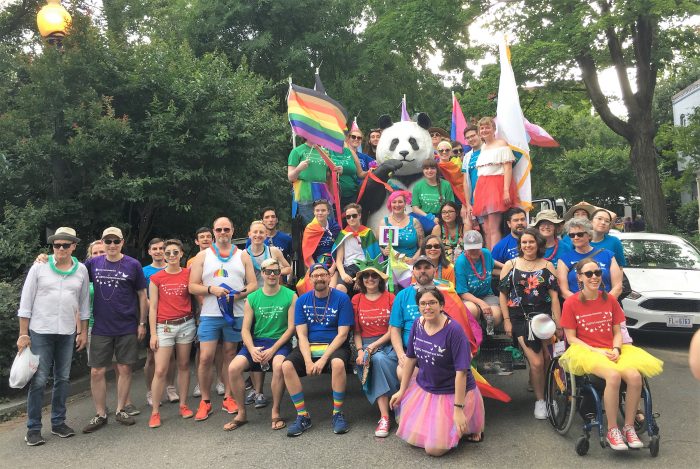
x=317, y=117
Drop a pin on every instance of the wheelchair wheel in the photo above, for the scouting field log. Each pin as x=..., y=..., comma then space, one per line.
x=582, y=446
x=560, y=396
x=654, y=446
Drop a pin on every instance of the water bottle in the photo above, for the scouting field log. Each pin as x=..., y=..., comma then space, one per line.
x=265, y=366
x=489, y=323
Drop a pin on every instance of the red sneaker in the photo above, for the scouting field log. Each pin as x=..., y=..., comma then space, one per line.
x=615, y=440
x=203, y=411
x=154, y=421
x=185, y=412
x=229, y=405
x=631, y=437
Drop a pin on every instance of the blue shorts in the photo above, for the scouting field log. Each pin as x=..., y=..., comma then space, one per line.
x=211, y=329
x=267, y=343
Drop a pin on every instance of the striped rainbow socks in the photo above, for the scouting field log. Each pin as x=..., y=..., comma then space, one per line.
x=338, y=398
x=299, y=404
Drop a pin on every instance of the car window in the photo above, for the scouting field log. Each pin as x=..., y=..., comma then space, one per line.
x=658, y=254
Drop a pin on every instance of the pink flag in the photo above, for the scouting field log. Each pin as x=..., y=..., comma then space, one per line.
x=538, y=136
x=459, y=123
x=404, y=112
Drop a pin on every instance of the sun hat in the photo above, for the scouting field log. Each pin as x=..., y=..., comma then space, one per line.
x=441, y=131
x=65, y=233
x=548, y=215
x=473, y=240
x=583, y=205
x=542, y=326
x=114, y=231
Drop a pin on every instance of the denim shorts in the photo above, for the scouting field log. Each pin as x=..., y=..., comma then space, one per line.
x=211, y=329
x=177, y=334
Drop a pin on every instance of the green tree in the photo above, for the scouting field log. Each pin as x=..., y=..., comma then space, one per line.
x=591, y=36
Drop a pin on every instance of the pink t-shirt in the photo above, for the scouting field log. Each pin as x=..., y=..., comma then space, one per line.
x=174, y=301
x=372, y=317
x=592, y=320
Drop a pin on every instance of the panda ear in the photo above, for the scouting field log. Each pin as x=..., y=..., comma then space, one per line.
x=385, y=122
x=423, y=120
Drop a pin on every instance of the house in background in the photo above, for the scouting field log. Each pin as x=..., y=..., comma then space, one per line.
x=685, y=102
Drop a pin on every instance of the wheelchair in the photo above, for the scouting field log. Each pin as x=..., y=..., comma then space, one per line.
x=566, y=395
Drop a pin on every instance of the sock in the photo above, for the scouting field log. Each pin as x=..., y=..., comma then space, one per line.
x=338, y=398
x=299, y=404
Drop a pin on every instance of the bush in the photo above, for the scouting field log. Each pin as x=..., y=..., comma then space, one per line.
x=687, y=217
x=9, y=327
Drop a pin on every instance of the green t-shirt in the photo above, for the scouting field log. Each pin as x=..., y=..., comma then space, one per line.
x=270, y=313
x=348, y=180
x=316, y=172
x=427, y=197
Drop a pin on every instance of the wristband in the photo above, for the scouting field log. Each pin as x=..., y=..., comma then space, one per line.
x=209, y=289
x=506, y=319
x=619, y=350
x=459, y=406
x=142, y=324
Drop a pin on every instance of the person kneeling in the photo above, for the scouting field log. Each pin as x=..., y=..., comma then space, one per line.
x=442, y=403
x=268, y=326
x=323, y=318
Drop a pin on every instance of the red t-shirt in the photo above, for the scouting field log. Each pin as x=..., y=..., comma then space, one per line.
x=174, y=301
x=372, y=317
x=592, y=320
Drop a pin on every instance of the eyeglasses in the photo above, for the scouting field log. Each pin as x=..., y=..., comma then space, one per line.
x=174, y=253
x=432, y=246
x=320, y=275
x=372, y=275
x=62, y=245
x=448, y=212
x=457, y=151
x=431, y=303
x=222, y=230
x=602, y=220
x=350, y=216
x=445, y=150
x=580, y=234
x=112, y=241
x=355, y=137
x=591, y=273
x=271, y=271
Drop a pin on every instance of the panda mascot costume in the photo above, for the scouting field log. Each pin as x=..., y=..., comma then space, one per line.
x=401, y=151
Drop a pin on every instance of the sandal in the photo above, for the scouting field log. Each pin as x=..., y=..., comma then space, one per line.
x=234, y=424
x=276, y=420
x=475, y=437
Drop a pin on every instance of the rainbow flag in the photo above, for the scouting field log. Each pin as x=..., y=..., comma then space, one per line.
x=452, y=173
x=400, y=273
x=317, y=117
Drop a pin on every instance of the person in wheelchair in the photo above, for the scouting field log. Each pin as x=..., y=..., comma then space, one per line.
x=591, y=320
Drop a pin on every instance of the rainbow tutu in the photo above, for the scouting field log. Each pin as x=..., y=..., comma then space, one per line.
x=426, y=420
x=580, y=360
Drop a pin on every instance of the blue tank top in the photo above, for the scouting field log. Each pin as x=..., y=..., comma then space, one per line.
x=408, y=237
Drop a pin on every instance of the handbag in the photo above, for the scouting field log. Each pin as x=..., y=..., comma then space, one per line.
x=366, y=363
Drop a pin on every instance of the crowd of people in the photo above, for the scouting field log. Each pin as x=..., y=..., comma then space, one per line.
x=232, y=304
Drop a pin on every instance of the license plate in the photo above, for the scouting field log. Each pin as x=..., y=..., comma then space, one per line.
x=679, y=320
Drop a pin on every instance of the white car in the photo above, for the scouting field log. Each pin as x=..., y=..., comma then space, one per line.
x=664, y=273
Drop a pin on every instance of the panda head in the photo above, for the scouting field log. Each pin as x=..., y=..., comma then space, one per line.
x=405, y=141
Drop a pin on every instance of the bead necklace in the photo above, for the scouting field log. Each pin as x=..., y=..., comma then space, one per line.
x=554, y=252
x=325, y=310
x=483, y=265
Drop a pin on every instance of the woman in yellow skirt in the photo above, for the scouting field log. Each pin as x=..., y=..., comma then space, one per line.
x=591, y=319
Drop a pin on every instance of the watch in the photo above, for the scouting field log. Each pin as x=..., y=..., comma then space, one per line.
x=142, y=324
x=619, y=350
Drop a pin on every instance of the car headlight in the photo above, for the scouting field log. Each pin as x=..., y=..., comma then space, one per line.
x=634, y=295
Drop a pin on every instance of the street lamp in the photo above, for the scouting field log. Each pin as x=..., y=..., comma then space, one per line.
x=53, y=21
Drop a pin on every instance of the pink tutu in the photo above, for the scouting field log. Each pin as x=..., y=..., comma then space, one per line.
x=488, y=195
x=426, y=420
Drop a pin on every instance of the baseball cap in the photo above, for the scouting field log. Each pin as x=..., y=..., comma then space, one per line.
x=423, y=259
x=317, y=266
x=114, y=231
x=473, y=240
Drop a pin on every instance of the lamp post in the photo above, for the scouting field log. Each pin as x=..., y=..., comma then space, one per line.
x=53, y=21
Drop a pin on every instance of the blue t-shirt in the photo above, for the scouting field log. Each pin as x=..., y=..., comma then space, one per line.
x=611, y=243
x=323, y=316
x=280, y=240
x=561, y=249
x=148, y=271
x=404, y=312
x=603, y=258
x=469, y=167
x=506, y=249
x=365, y=160
x=325, y=245
x=467, y=281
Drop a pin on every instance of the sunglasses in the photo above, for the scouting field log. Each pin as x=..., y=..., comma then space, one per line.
x=172, y=253
x=62, y=245
x=271, y=271
x=444, y=150
x=372, y=275
x=222, y=230
x=112, y=241
x=457, y=151
x=591, y=273
x=580, y=234
x=350, y=216
x=435, y=134
x=355, y=137
x=432, y=246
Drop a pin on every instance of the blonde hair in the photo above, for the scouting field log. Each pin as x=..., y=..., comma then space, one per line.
x=487, y=121
x=256, y=222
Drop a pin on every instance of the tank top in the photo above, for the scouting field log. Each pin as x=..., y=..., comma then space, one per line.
x=215, y=272
x=408, y=237
x=257, y=260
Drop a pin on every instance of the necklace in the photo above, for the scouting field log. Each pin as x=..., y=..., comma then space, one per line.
x=217, y=252
x=530, y=264
x=554, y=252
x=116, y=281
x=65, y=273
x=325, y=310
x=481, y=276
x=398, y=222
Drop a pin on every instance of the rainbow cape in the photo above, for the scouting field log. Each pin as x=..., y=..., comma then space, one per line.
x=452, y=173
x=368, y=241
x=309, y=242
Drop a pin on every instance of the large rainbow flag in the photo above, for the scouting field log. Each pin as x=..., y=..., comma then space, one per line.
x=317, y=117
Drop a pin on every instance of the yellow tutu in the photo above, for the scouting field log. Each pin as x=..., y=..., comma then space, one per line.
x=580, y=360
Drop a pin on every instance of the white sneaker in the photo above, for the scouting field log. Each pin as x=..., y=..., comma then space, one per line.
x=220, y=388
x=196, y=392
x=541, y=410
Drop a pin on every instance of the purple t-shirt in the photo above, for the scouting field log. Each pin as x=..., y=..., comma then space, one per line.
x=116, y=303
x=439, y=357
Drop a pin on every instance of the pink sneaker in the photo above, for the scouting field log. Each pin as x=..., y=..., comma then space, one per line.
x=382, y=430
x=633, y=440
x=615, y=440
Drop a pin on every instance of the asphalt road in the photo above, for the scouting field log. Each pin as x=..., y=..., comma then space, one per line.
x=513, y=437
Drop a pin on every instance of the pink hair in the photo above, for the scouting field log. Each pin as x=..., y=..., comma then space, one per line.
x=405, y=194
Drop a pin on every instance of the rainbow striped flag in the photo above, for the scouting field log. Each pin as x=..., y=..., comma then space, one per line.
x=317, y=117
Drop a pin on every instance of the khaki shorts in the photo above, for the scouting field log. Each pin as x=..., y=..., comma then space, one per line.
x=102, y=348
